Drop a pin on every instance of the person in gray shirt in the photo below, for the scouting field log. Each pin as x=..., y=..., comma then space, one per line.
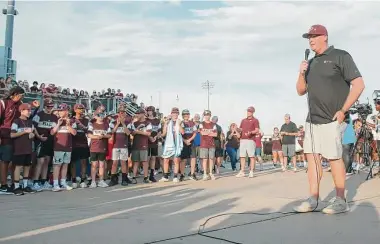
x=289, y=131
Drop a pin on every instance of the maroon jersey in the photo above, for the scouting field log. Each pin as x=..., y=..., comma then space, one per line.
x=248, y=125
x=8, y=113
x=207, y=141
x=258, y=140
x=156, y=128
x=98, y=145
x=189, y=128
x=44, y=122
x=276, y=142
x=63, y=140
x=120, y=138
x=80, y=139
x=140, y=142
x=22, y=145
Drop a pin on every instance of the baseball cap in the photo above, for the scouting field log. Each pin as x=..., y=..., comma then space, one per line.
x=207, y=112
x=251, y=109
x=185, y=111
x=24, y=106
x=78, y=106
x=214, y=118
x=319, y=30
x=150, y=108
x=140, y=111
x=63, y=106
x=175, y=110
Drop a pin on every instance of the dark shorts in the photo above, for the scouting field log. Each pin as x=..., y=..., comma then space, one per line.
x=80, y=153
x=139, y=156
x=6, y=153
x=218, y=152
x=22, y=160
x=45, y=149
x=153, y=152
x=96, y=156
x=188, y=152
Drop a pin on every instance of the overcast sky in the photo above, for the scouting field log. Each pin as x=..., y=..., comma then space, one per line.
x=250, y=50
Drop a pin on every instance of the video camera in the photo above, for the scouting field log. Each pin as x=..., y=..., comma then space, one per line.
x=362, y=109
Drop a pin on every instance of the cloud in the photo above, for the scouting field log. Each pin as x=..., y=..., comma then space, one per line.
x=250, y=50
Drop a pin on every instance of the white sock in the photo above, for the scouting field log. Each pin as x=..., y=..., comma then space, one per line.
x=55, y=182
x=17, y=185
x=63, y=182
x=25, y=182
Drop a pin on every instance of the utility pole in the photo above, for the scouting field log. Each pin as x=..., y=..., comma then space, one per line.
x=9, y=67
x=208, y=86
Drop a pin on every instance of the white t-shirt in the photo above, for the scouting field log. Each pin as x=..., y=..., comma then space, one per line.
x=372, y=119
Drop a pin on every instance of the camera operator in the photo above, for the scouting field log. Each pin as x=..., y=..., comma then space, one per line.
x=349, y=139
x=374, y=122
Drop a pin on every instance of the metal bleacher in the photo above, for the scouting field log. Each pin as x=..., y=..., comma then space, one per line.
x=111, y=103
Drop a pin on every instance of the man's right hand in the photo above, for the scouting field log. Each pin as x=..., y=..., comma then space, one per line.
x=303, y=67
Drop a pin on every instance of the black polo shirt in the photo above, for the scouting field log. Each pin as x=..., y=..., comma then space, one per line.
x=328, y=80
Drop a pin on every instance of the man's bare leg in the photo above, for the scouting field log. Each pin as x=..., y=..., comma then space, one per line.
x=338, y=172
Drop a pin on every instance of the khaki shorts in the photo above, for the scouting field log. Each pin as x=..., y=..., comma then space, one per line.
x=61, y=157
x=120, y=154
x=247, y=148
x=139, y=156
x=325, y=139
x=206, y=153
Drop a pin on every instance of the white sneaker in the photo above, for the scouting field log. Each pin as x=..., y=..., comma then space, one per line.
x=205, y=177
x=307, y=206
x=163, y=179
x=240, y=174
x=36, y=187
x=75, y=185
x=46, y=186
x=102, y=183
x=212, y=176
x=93, y=184
x=56, y=188
x=66, y=187
x=83, y=185
x=250, y=174
x=175, y=180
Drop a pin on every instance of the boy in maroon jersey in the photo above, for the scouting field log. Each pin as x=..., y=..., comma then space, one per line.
x=22, y=134
x=81, y=151
x=141, y=130
x=99, y=133
x=120, y=135
x=188, y=151
x=153, y=141
x=44, y=121
x=63, y=133
x=208, y=131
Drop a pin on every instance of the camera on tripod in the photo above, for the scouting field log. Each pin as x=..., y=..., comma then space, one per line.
x=362, y=109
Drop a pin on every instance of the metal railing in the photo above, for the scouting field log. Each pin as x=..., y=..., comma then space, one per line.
x=111, y=104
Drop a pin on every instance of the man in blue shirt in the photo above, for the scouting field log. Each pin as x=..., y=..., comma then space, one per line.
x=349, y=139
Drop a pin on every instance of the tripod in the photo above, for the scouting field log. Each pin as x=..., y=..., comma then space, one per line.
x=366, y=136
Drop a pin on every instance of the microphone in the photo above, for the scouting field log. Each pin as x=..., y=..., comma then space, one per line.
x=307, y=53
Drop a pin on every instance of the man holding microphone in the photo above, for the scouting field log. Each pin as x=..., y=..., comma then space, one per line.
x=332, y=83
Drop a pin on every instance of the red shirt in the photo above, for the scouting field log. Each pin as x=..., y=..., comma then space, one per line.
x=189, y=128
x=22, y=145
x=120, y=138
x=63, y=140
x=248, y=125
x=207, y=141
x=98, y=145
x=8, y=113
x=140, y=142
x=258, y=140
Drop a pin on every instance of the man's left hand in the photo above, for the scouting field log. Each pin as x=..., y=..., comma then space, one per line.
x=339, y=116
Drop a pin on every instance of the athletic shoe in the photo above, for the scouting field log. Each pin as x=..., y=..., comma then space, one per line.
x=336, y=205
x=307, y=206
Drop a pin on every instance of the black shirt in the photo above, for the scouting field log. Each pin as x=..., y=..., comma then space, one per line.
x=217, y=141
x=233, y=142
x=328, y=80
x=290, y=128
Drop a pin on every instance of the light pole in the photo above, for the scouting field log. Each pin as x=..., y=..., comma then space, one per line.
x=10, y=12
x=208, y=86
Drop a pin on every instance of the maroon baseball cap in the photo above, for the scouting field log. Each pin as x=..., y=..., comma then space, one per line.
x=251, y=109
x=318, y=30
x=175, y=110
x=78, y=106
x=24, y=106
x=63, y=106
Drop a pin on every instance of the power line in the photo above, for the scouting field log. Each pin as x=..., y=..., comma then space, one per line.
x=208, y=86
